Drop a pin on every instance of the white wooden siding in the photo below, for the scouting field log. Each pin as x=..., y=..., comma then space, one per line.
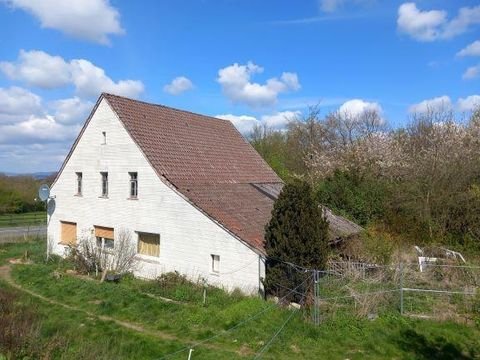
x=188, y=237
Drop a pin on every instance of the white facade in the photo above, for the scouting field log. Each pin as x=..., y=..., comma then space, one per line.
x=188, y=237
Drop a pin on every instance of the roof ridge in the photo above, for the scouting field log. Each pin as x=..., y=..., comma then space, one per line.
x=106, y=94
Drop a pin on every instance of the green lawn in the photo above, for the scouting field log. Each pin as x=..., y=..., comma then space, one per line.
x=167, y=326
x=32, y=218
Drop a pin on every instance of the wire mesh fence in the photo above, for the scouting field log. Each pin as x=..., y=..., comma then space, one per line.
x=437, y=291
x=441, y=291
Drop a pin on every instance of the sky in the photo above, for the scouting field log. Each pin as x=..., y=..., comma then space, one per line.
x=248, y=61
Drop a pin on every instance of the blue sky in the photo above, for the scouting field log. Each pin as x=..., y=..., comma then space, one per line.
x=250, y=61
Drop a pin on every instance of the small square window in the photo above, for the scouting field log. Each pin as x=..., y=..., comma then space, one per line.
x=215, y=263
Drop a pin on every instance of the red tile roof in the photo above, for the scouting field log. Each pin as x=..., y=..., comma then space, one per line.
x=208, y=161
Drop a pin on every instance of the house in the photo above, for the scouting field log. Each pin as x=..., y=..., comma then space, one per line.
x=190, y=189
x=192, y=192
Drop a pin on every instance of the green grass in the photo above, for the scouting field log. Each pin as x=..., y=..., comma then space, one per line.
x=389, y=336
x=31, y=218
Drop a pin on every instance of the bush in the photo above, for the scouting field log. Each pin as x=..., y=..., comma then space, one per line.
x=18, y=327
x=89, y=258
x=20, y=335
x=359, y=198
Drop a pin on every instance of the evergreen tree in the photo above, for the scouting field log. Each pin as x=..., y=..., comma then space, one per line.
x=297, y=234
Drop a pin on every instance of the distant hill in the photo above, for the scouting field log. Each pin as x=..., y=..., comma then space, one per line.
x=41, y=175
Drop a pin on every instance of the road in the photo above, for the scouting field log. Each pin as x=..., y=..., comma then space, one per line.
x=7, y=234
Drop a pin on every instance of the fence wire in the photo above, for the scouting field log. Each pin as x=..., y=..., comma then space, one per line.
x=438, y=291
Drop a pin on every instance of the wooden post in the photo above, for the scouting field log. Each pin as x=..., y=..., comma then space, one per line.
x=401, y=288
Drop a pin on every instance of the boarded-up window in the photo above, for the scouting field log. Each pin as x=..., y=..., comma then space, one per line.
x=105, y=237
x=149, y=244
x=69, y=233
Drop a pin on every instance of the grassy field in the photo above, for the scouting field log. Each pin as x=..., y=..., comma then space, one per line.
x=82, y=318
x=32, y=218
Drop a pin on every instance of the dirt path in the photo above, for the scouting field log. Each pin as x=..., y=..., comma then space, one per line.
x=5, y=274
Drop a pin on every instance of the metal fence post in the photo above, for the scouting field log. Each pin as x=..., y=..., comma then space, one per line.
x=316, y=295
x=401, y=288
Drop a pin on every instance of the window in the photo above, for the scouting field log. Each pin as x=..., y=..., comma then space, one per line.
x=104, y=134
x=68, y=233
x=149, y=244
x=104, y=184
x=105, y=237
x=215, y=263
x=79, y=183
x=133, y=185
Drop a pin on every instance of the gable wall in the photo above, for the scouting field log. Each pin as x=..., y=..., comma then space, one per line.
x=188, y=237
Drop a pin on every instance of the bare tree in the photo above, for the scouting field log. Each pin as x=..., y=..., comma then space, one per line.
x=123, y=259
x=89, y=257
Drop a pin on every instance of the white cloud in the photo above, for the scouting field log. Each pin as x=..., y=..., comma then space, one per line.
x=178, y=85
x=279, y=120
x=357, y=107
x=460, y=24
x=27, y=158
x=24, y=120
x=243, y=123
x=236, y=85
x=92, y=20
x=431, y=25
x=471, y=73
x=246, y=123
x=37, y=129
x=38, y=68
x=16, y=102
x=90, y=80
x=421, y=25
x=330, y=5
x=469, y=103
x=435, y=104
x=72, y=110
x=34, y=136
x=471, y=50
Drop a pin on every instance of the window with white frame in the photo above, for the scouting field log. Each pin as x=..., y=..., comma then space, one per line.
x=79, y=183
x=133, y=185
x=215, y=263
x=104, y=176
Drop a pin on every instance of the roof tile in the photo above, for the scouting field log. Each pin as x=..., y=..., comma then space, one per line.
x=208, y=161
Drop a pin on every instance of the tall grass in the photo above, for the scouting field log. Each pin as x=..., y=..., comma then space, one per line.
x=171, y=326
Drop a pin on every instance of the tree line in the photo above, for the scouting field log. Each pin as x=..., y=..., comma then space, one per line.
x=18, y=194
x=420, y=181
